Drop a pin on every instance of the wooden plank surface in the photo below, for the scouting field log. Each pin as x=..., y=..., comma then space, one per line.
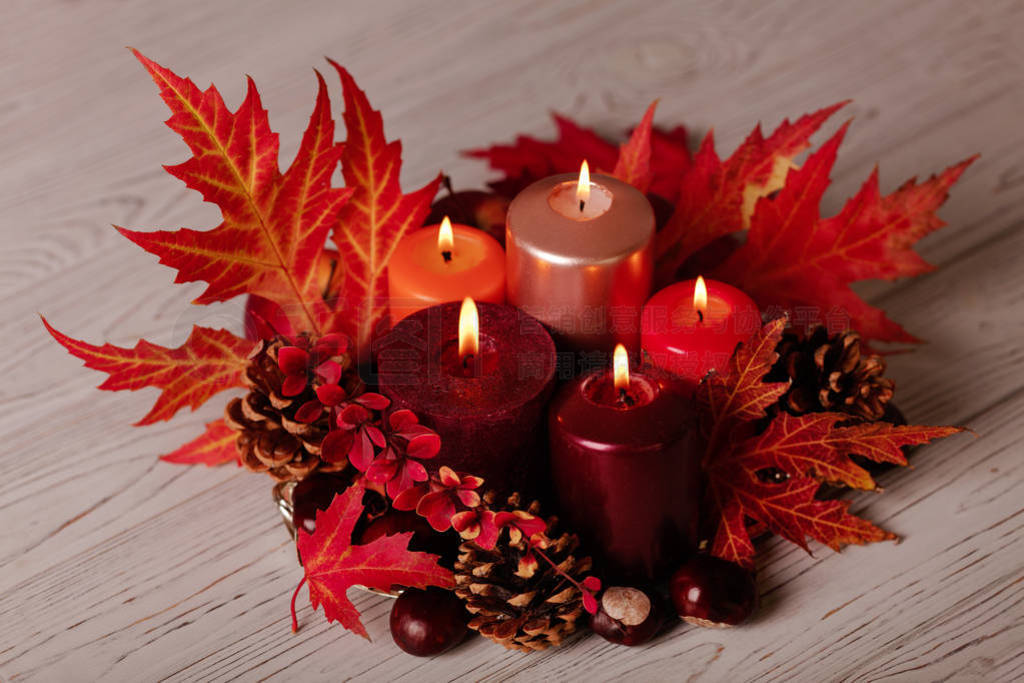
x=115, y=567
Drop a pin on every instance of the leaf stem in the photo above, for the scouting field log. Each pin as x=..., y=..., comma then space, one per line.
x=295, y=595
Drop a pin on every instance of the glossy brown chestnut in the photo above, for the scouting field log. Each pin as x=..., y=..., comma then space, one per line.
x=626, y=616
x=315, y=492
x=428, y=622
x=711, y=592
x=424, y=539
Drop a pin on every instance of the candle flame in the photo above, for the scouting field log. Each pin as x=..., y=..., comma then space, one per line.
x=469, y=329
x=700, y=298
x=445, y=239
x=583, y=186
x=620, y=364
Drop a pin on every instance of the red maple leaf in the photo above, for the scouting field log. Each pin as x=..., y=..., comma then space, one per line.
x=374, y=220
x=529, y=159
x=208, y=362
x=634, y=163
x=332, y=564
x=715, y=196
x=794, y=259
x=274, y=225
x=215, y=446
x=801, y=453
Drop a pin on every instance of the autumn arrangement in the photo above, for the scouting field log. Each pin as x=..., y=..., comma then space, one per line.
x=568, y=401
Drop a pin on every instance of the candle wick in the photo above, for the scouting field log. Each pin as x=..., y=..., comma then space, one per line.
x=700, y=315
x=466, y=360
x=447, y=256
x=583, y=203
x=625, y=398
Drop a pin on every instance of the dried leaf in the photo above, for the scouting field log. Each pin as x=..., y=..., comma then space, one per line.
x=216, y=446
x=275, y=225
x=634, y=164
x=529, y=159
x=332, y=564
x=208, y=362
x=801, y=453
x=716, y=197
x=735, y=400
x=795, y=260
x=374, y=220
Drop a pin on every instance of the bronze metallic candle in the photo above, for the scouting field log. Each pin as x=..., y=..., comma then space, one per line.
x=579, y=258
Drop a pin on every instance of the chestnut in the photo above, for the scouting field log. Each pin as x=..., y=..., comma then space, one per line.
x=626, y=616
x=425, y=539
x=315, y=492
x=428, y=622
x=712, y=592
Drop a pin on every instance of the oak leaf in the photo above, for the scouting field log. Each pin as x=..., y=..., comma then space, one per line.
x=215, y=446
x=332, y=564
x=799, y=454
x=275, y=224
x=209, y=362
x=374, y=220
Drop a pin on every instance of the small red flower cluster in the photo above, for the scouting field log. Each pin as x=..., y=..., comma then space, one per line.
x=388, y=447
x=317, y=364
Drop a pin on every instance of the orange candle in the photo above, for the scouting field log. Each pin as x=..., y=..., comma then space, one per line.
x=441, y=263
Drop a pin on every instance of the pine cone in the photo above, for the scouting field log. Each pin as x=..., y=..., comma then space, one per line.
x=270, y=439
x=831, y=374
x=525, y=613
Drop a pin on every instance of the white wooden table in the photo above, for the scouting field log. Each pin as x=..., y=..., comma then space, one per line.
x=114, y=566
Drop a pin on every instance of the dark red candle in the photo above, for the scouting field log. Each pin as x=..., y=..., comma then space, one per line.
x=488, y=404
x=692, y=327
x=625, y=461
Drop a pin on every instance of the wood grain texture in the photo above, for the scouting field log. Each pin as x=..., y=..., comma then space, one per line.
x=114, y=566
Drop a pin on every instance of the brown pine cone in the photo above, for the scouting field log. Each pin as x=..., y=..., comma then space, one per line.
x=270, y=439
x=829, y=373
x=524, y=611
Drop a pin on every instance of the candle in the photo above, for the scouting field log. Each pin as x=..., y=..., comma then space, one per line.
x=579, y=259
x=625, y=462
x=442, y=263
x=692, y=327
x=480, y=376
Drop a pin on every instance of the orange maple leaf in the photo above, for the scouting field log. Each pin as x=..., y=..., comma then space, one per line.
x=374, y=220
x=275, y=225
x=332, y=564
x=215, y=446
x=208, y=362
x=799, y=452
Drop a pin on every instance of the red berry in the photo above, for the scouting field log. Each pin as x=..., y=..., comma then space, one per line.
x=708, y=591
x=626, y=616
x=428, y=622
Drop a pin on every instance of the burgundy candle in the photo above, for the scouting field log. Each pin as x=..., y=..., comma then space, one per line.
x=486, y=403
x=625, y=460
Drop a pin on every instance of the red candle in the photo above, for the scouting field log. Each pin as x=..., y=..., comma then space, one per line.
x=483, y=387
x=691, y=328
x=625, y=460
x=442, y=263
